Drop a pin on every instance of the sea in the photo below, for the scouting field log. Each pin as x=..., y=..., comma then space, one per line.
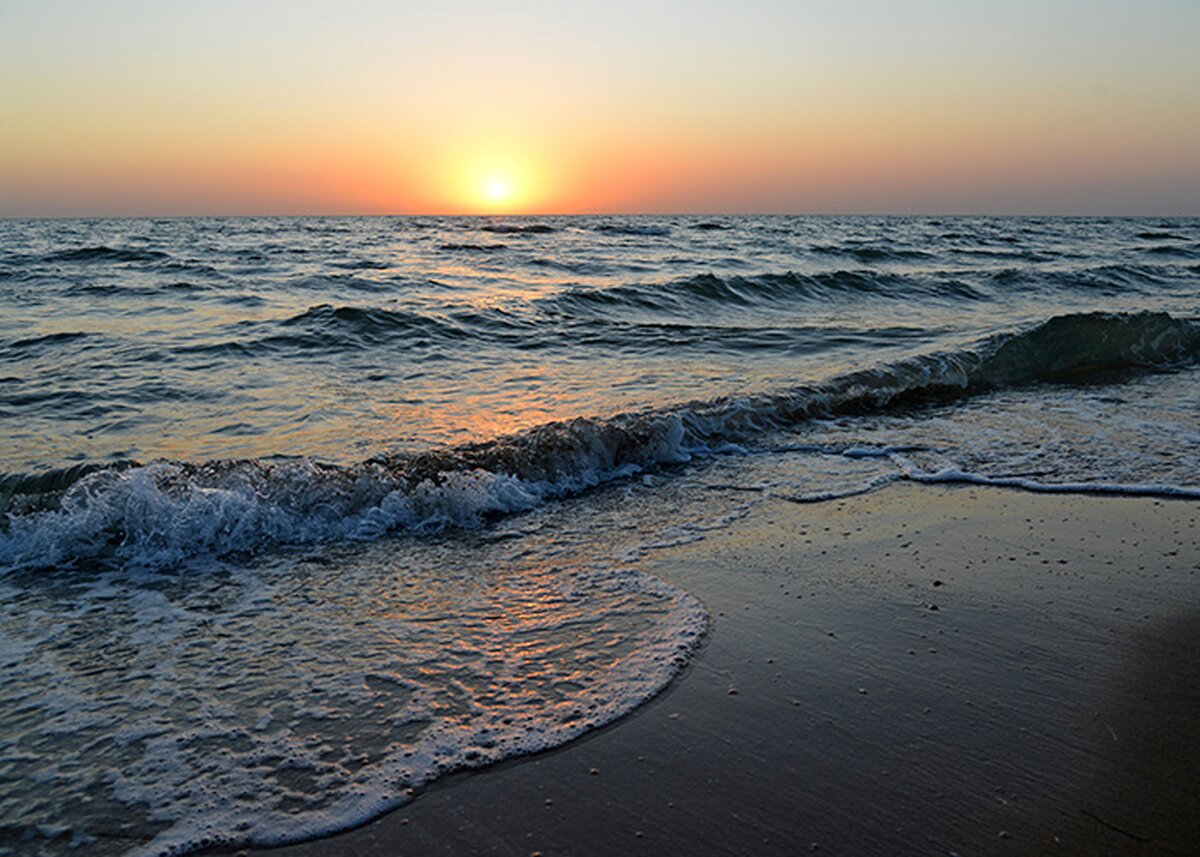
x=300, y=514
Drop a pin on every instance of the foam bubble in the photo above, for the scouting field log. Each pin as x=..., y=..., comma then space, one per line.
x=260, y=705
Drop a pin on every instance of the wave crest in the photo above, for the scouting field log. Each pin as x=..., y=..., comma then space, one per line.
x=164, y=512
x=105, y=254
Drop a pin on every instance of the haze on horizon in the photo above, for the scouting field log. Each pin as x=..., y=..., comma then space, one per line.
x=763, y=106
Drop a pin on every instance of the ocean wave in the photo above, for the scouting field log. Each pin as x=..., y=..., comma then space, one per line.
x=180, y=286
x=330, y=689
x=1102, y=279
x=105, y=254
x=133, y=290
x=38, y=343
x=633, y=229
x=163, y=512
x=1161, y=236
x=518, y=228
x=1007, y=254
x=669, y=337
x=568, y=265
x=906, y=469
x=326, y=325
x=331, y=328
x=870, y=255
x=1189, y=251
x=473, y=248
x=700, y=292
x=21, y=493
x=953, y=475
x=362, y=264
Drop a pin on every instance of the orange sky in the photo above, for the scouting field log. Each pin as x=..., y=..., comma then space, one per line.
x=759, y=106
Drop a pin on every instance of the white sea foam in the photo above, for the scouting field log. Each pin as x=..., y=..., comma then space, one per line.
x=162, y=513
x=158, y=698
x=267, y=704
x=914, y=473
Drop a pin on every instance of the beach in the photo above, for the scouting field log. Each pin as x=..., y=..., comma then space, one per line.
x=921, y=670
x=870, y=532
x=595, y=430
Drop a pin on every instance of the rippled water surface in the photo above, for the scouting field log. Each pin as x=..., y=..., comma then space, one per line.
x=302, y=512
x=345, y=338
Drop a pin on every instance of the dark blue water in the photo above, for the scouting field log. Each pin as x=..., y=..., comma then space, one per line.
x=230, y=447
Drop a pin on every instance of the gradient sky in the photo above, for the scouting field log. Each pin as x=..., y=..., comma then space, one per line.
x=804, y=106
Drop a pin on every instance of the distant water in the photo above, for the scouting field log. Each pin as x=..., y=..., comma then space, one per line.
x=301, y=513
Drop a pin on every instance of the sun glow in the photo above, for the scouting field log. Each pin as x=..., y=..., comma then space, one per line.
x=497, y=189
x=490, y=178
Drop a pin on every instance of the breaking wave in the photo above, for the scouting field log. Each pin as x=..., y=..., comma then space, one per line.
x=162, y=512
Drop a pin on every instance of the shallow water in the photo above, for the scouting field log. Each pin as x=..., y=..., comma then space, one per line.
x=302, y=512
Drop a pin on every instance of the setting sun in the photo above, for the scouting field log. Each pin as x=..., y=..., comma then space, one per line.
x=497, y=190
x=497, y=184
x=495, y=174
x=395, y=389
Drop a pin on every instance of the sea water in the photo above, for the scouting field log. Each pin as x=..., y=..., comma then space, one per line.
x=301, y=513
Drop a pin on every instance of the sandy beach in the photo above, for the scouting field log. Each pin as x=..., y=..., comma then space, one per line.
x=590, y=430
x=916, y=671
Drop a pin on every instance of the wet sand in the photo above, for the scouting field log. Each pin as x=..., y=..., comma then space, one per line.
x=917, y=671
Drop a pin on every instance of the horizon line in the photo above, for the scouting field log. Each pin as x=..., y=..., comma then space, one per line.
x=496, y=215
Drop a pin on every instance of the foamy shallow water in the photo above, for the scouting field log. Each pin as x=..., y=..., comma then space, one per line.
x=301, y=513
x=298, y=694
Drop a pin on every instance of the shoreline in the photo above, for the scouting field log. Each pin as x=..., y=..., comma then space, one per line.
x=918, y=670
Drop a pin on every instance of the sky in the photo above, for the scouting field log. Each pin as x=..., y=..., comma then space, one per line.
x=626, y=106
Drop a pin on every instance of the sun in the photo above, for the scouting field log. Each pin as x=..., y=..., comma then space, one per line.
x=490, y=178
x=497, y=189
